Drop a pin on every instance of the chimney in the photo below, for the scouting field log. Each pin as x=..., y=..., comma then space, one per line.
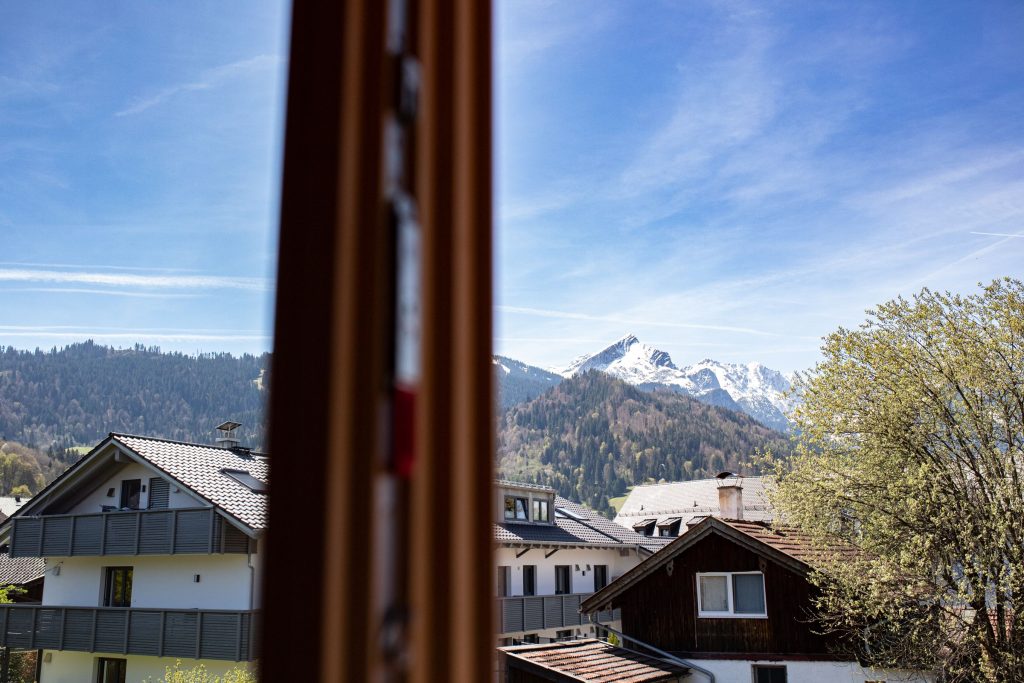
x=226, y=434
x=730, y=496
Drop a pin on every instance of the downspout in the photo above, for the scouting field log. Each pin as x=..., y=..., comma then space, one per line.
x=661, y=653
x=252, y=576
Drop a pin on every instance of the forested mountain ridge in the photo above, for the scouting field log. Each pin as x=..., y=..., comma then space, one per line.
x=593, y=435
x=78, y=394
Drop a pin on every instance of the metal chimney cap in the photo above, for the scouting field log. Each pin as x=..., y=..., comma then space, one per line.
x=229, y=426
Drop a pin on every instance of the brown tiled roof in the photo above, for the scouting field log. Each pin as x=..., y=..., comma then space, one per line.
x=786, y=545
x=594, y=661
x=789, y=540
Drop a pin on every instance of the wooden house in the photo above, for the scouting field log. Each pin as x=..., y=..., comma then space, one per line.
x=733, y=597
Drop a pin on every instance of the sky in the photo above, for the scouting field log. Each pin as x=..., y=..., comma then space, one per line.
x=723, y=179
x=735, y=180
x=140, y=148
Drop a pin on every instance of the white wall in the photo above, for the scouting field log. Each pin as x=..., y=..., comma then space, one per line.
x=157, y=581
x=80, y=667
x=728, y=671
x=95, y=501
x=582, y=579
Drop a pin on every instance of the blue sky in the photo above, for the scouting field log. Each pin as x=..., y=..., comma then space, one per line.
x=735, y=180
x=139, y=163
x=724, y=179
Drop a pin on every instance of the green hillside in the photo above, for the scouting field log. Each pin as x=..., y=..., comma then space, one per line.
x=593, y=436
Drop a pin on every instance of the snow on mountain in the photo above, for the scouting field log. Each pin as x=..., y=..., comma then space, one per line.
x=753, y=388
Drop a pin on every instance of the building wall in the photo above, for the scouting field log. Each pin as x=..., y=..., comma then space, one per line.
x=95, y=501
x=80, y=667
x=582, y=579
x=662, y=608
x=157, y=581
x=729, y=671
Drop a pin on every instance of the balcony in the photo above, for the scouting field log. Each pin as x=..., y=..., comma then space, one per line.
x=535, y=612
x=196, y=634
x=130, y=532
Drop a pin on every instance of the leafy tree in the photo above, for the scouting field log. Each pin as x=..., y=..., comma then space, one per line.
x=911, y=449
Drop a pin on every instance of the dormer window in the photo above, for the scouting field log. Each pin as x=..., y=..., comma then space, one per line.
x=541, y=512
x=516, y=508
x=669, y=527
x=731, y=594
x=645, y=527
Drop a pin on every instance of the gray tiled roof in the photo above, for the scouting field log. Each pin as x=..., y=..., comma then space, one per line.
x=20, y=570
x=199, y=468
x=688, y=499
x=585, y=527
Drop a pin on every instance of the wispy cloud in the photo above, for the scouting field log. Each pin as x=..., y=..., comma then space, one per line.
x=133, y=280
x=207, y=80
x=567, y=315
x=106, y=292
x=28, y=264
x=995, y=234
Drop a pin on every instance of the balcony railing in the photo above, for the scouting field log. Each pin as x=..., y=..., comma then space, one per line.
x=535, y=612
x=129, y=532
x=195, y=634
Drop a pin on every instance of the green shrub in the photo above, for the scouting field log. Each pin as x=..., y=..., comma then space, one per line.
x=199, y=674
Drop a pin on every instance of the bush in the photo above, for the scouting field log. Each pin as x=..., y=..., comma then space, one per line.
x=199, y=674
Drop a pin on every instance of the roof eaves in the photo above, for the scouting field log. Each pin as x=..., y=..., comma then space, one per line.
x=697, y=533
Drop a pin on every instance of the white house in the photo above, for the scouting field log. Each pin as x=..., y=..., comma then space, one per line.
x=151, y=554
x=551, y=554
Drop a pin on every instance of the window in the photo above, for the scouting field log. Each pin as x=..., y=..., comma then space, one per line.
x=131, y=489
x=531, y=639
x=246, y=479
x=563, y=579
x=515, y=508
x=564, y=635
x=731, y=594
x=117, y=587
x=769, y=674
x=111, y=670
x=504, y=581
x=540, y=511
x=530, y=579
x=600, y=576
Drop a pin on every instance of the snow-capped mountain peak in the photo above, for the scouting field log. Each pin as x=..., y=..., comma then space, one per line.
x=753, y=388
x=628, y=359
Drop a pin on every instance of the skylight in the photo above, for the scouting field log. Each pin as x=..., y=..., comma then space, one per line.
x=562, y=512
x=246, y=479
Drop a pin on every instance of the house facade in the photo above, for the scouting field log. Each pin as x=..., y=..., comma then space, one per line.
x=151, y=552
x=733, y=598
x=551, y=554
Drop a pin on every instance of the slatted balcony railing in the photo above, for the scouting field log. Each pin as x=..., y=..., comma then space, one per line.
x=195, y=634
x=535, y=612
x=129, y=532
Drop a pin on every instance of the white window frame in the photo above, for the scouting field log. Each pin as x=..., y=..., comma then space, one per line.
x=729, y=597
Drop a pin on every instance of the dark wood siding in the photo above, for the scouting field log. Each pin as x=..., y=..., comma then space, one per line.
x=662, y=608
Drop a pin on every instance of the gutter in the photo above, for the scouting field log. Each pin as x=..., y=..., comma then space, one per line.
x=661, y=653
